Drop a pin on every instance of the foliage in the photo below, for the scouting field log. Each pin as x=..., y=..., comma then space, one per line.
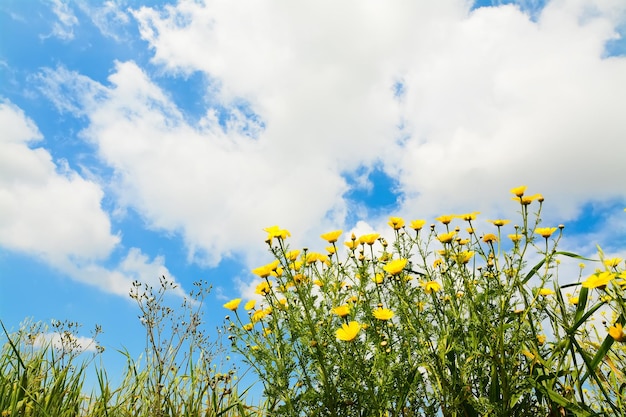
x=438, y=321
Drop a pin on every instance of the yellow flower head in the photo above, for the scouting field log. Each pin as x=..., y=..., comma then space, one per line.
x=369, y=238
x=446, y=237
x=499, y=222
x=469, y=216
x=464, y=257
x=292, y=255
x=348, y=331
x=352, y=244
x=312, y=257
x=396, y=222
x=545, y=292
x=515, y=237
x=331, y=249
x=490, y=238
x=331, y=237
x=383, y=313
x=545, y=231
x=541, y=339
x=617, y=332
x=446, y=218
x=527, y=200
x=519, y=191
x=599, y=280
x=437, y=263
x=266, y=270
x=276, y=232
x=233, y=304
x=431, y=286
x=263, y=288
x=417, y=224
x=250, y=305
x=248, y=326
x=573, y=301
x=260, y=314
x=378, y=278
x=395, y=267
x=342, y=310
x=613, y=262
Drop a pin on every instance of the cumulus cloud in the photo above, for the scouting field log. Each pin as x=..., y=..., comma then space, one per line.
x=51, y=212
x=487, y=96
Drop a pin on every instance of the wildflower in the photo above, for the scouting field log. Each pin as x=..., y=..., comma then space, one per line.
x=499, y=222
x=232, y=304
x=266, y=270
x=351, y=244
x=276, y=232
x=318, y=283
x=469, y=216
x=617, y=332
x=296, y=266
x=383, y=313
x=248, y=327
x=545, y=231
x=292, y=255
x=312, y=257
x=470, y=230
x=599, y=280
x=300, y=278
x=431, y=286
x=464, y=257
x=417, y=224
x=612, y=263
x=519, y=191
x=437, y=263
x=396, y=222
x=545, y=292
x=446, y=218
x=490, y=238
x=573, y=301
x=342, y=310
x=263, y=288
x=378, y=278
x=250, y=305
x=353, y=299
x=463, y=241
x=369, y=238
x=331, y=237
x=541, y=339
x=260, y=314
x=348, y=331
x=515, y=237
x=396, y=266
x=331, y=249
x=529, y=199
x=446, y=237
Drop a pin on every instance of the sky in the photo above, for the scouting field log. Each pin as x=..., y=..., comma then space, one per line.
x=149, y=138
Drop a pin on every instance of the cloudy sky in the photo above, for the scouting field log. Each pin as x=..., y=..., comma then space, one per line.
x=149, y=138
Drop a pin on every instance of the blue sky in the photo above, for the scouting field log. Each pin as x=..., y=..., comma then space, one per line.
x=150, y=138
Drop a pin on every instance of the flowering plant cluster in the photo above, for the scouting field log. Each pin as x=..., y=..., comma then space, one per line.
x=439, y=320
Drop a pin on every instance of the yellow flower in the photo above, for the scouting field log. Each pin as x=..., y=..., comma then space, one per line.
x=233, y=304
x=469, y=216
x=417, y=224
x=545, y=292
x=573, y=301
x=599, y=280
x=369, y=238
x=312, y=257
x=446, y=237
x=351, y=244
x=383, y=313
x=296, y=266
x=396, y=266
x=519, y=191
x=378, y=278
x=266, y=270
x=464, y=257
x=515, y=237
x=292, y=255
x=541, y=339
x=527, y=200
x=431, y=286
x=331, y=249
x=490, y=238
x=446, y=218
x=275, y=231
x=250, y=305
x=342, y=311
x=248, y=326
x=437, y=263
x=396, y=222
x=617, y=332
x=348, y=331
x=545, y=231
x=613, y=262
x=260, y=314
x=331, y=237
x=499, y=222
x=263, y=288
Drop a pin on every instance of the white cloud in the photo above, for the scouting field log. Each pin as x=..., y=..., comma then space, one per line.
x=490, y=97
x=63, y=27
x=109, y=17
x=66, y=341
